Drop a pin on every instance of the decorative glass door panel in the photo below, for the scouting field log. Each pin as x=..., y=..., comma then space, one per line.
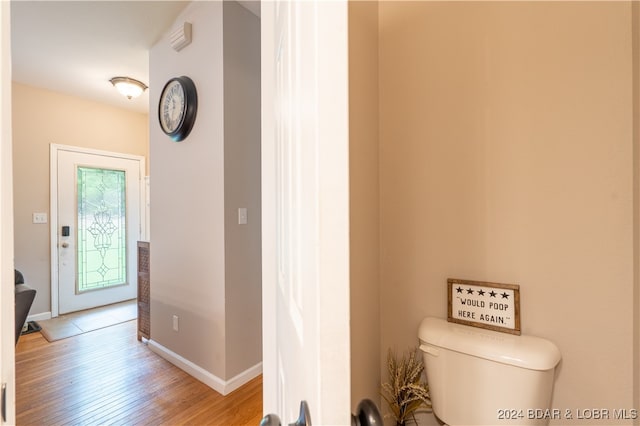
x=102, y=229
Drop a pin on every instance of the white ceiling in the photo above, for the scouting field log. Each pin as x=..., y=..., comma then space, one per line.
x=75, y=47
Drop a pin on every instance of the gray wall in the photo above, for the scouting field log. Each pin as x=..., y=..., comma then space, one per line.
x=243, y=265
x=194, y=240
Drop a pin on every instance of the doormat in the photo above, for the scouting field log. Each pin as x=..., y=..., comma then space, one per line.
x=30, y=327
x=76, y=323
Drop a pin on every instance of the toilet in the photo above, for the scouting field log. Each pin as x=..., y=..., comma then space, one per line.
x=484, y=377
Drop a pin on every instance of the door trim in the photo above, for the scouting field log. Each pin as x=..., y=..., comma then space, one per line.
x=7, y=317
x=321, y=32
x=53, y=206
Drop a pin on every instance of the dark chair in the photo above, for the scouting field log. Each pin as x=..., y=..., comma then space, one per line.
x=24, y=299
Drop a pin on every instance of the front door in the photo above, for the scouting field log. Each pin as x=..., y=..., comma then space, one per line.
x=97, y=225
x=305, y=181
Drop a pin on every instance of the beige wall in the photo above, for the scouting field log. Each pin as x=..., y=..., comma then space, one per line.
x=197, y=186
x=635, y=8
x=506, y=155
x=364, y=201
x=41, y=118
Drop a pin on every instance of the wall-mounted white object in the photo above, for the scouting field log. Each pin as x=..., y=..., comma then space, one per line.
x=39, y=218
x=242, y=216
x=180, y=37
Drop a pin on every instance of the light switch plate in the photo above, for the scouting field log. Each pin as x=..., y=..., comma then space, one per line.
x=242, y=216
x=39, y=218
x=176, y=323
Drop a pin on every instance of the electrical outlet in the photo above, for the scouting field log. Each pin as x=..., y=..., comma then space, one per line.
x=176, y=323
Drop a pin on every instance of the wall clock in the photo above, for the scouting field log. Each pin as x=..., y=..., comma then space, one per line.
x=177, y=107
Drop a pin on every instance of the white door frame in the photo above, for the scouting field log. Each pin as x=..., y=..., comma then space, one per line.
x=7, y=316
x=55, y=226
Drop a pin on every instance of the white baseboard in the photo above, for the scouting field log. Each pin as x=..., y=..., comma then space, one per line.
x=211, y=380
x=39, y=317
x=243, y=378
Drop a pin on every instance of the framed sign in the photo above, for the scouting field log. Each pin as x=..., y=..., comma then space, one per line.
x=486, y=305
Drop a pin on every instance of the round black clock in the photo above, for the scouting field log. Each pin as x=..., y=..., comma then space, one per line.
x=177, y=107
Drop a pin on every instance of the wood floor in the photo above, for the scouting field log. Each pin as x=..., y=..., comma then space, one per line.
x=107, y=377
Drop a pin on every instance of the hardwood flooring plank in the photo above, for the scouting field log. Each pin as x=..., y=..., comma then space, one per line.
x=99, y=401
x=144, y=399
x=242, y=407
x=108, y=377
x=92, y=382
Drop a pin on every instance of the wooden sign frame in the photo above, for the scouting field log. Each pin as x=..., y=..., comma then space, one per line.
x=487, y=305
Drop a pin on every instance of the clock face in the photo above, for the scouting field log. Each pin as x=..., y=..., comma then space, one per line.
x=172, y=106
x=177, y=107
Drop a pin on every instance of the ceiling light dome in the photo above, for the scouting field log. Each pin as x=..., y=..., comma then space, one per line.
x=129, y=87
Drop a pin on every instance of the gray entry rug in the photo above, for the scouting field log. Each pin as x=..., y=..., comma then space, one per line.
x=75, y=323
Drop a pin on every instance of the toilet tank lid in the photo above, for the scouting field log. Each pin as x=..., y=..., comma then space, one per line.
x=523, y=351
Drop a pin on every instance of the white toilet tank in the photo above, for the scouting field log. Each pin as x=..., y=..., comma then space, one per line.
x=483, y=377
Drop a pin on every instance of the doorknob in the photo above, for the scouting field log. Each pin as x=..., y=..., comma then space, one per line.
x=304, y=419
x=65, y=244
x=367, y=415
x=270, y=420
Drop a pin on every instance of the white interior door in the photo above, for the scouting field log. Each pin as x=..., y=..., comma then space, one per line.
x=305, y=203
x=97, y=226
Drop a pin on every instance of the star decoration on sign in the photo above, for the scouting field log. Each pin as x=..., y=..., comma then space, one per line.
x=481, y=292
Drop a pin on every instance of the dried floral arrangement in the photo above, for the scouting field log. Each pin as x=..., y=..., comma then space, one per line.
x=405, y=393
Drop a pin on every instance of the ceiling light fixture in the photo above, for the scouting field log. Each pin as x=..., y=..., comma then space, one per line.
x=129, y=87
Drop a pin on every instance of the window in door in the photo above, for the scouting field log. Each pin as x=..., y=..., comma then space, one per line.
x=102, y=228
